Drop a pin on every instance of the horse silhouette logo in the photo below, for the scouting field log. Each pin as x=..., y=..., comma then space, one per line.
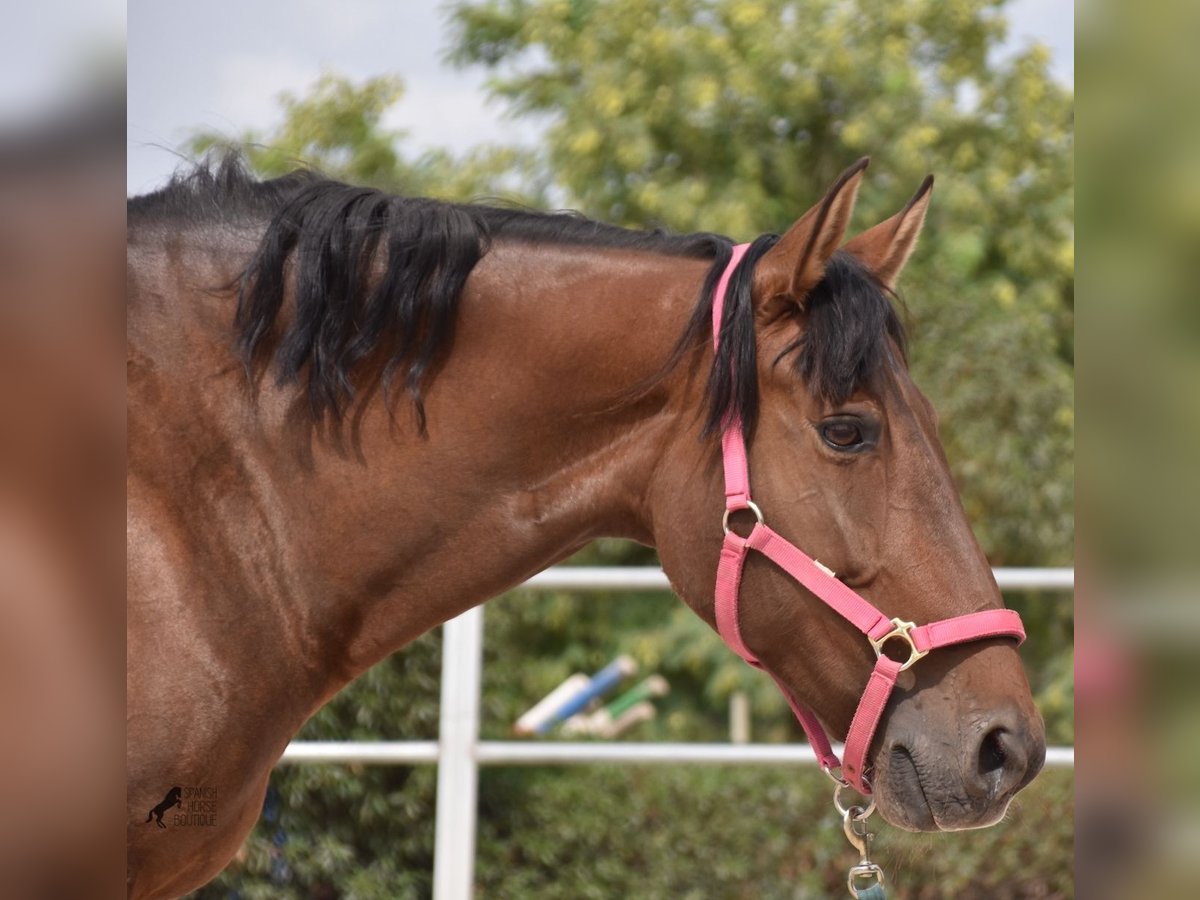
x=174, y=798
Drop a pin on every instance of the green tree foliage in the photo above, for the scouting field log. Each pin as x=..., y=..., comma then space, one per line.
x=729, y=833
x=733, y=117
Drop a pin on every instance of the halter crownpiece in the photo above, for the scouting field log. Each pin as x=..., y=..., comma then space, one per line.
x=878, y=628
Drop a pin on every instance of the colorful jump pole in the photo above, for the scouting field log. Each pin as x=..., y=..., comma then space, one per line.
x=654, y=686
x=603, y=721
x=601, y=683
x=541, y=711
x=639, y=712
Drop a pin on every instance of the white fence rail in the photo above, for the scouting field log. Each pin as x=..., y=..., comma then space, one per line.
x=458, y=752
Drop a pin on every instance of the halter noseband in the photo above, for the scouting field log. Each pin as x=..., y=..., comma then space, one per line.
x=878, y=628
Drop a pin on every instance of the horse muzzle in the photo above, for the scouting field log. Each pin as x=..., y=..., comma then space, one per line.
x=949, y=770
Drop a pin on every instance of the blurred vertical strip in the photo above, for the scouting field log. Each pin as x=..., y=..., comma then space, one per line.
x=62, y=445
x=1138, y=620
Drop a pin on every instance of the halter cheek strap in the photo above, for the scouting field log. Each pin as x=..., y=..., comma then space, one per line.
x=877, y=627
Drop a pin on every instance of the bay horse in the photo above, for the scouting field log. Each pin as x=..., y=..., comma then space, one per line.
x=353, y=416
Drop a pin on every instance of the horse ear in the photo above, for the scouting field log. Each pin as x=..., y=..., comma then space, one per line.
x=794, y=265
x=886, y=247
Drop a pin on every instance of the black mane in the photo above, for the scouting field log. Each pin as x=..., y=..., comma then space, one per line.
x=323, y=238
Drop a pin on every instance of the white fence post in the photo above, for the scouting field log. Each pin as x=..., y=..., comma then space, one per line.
x=458, y=771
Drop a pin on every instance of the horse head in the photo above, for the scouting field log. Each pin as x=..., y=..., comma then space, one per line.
x=846, y=463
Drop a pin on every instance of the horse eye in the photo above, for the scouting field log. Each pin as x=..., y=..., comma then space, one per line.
x=842, y=434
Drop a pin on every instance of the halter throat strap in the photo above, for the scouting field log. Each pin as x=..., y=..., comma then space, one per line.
x=818, y=579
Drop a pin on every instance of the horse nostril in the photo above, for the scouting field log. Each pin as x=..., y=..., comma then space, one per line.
x=1008, y=758
x=992, y=752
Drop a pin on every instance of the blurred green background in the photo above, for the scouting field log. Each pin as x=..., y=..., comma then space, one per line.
x=732, y=117
x=1139, y=615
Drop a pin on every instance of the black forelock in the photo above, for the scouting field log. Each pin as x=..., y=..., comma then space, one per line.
x=850, y=324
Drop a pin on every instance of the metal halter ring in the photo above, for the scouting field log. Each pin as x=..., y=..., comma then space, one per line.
x=750, y=505
x=841, y=781
x=835, y=775
x=863, y=813
x=901, y=632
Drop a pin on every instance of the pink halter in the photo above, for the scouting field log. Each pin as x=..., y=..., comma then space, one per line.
x=817, y=578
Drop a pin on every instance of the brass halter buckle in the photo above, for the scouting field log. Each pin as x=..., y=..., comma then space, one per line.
x=901, y=632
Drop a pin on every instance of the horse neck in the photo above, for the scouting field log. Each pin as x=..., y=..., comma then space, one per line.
x=533, y=449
